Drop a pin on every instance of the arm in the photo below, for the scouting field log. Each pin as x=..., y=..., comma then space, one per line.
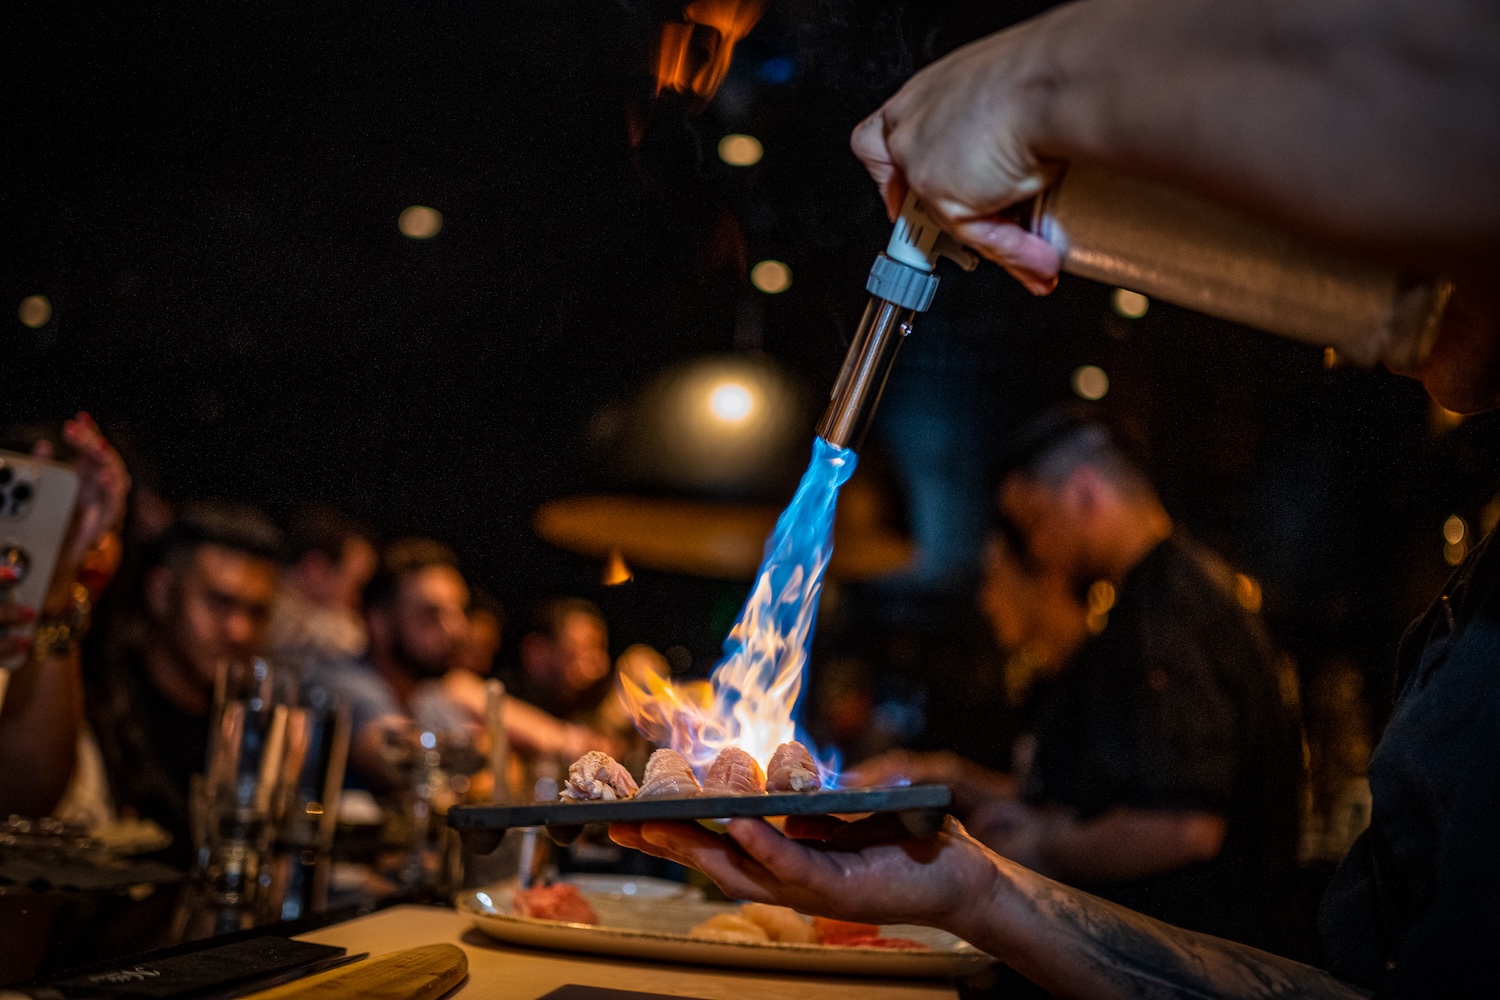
x=1281, y=107
x=38, y=729
x=973, y=784
x=1070, y=943
x=1124, y=843
x=43, y=706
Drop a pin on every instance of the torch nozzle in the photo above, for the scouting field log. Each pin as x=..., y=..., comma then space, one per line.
x=867, y=365
x=901, y=284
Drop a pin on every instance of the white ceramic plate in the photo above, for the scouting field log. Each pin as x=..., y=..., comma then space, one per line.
x=637, y=886
x=633, y=927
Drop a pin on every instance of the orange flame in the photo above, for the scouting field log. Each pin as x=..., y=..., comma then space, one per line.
x=749, y=700
x=718, y=25
x=741, y=706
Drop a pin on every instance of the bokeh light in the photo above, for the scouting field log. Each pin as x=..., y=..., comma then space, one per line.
x=731, y=402
x=1454, y=530
x=35, y=311
x=1455, y=540
x=771, y=276
x=1131, y=305
x=1090, y=382
x=1247, y=591
x=420, y=222
x=740, y=150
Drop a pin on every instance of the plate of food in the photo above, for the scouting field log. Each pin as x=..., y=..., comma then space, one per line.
x=600, y=790
x=683, y=929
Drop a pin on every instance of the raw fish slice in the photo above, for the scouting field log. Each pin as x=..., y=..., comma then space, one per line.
x=792, y=769
x=598, y=777
x=554, y=902
x=668, y=774
x=734, y=772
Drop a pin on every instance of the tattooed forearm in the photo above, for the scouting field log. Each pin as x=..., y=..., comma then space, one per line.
x=1094, y=948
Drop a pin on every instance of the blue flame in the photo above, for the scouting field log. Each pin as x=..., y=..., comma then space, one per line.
x=752, y=698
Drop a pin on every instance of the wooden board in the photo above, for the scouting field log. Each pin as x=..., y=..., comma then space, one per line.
x=423, y=973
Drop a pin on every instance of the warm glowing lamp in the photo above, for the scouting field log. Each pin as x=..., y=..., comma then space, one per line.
x=731, y=402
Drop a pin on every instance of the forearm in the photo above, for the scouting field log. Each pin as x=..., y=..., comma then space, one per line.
x=1076, y=945
x=39, y=726
x=1127, y=844
x=1326, y=115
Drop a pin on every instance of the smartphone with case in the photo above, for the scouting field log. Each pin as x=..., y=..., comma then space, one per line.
x=36, y=506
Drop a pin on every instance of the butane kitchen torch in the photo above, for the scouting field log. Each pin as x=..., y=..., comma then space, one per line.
x=901, y=284
x=1169, y=245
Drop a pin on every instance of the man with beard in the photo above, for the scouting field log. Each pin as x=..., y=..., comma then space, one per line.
x=416, y=610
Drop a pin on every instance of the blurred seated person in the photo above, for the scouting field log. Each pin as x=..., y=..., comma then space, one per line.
x=476, y=655
x=41, y=723
x=318, y=612
x=206, y=599
x=416, y=612
x=1164, y=768
x=565, y=665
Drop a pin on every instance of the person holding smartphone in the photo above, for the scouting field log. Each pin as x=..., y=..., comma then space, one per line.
x=42, y=713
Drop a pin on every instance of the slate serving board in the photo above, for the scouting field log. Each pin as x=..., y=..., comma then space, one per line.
x=919, y=804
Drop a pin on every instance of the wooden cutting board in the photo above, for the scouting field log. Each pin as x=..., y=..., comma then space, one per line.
x=424, y=973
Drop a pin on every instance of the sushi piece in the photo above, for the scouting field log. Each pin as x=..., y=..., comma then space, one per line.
x=734, y=772
x=554, y=902
x=597, y=777
x=730, y=927
x=668, y=775
x=792, y=769
x=890, y=943
x=781, y=923
x=832, y=931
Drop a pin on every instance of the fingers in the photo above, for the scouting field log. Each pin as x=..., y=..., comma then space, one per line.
x=868, y=143
x=720, y=858
x=1029, y=258
x=782, y=859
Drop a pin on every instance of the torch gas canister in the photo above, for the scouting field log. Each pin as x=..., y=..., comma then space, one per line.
x=1191, y=252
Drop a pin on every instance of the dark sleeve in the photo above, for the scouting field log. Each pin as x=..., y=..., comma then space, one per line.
x=1452, y=947
x=1178, y=733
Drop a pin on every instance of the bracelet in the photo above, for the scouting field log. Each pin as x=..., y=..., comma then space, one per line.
x=61, y=635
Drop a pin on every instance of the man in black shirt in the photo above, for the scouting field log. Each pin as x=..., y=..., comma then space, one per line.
x=1163, y=767
x=1414, y=901
x=206, y=598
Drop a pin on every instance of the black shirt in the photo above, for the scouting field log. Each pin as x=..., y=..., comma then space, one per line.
x=150, y=747
x=1414, y=909
x=1176, y=704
